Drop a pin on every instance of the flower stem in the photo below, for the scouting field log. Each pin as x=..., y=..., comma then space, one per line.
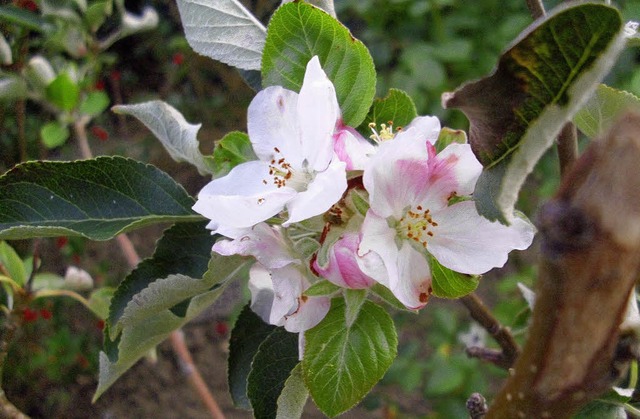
x=536, y=8
x=502, y=335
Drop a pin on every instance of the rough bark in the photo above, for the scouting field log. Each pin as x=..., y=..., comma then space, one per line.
x=589, y=265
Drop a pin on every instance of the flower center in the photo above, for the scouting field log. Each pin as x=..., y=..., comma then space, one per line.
x=416, y=225
x=282, y=173
x=386, y=132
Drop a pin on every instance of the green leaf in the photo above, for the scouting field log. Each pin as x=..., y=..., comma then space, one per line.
x=604, y=108
x=387, y=296
x=98, y=199
x=247, y=335
x=100, y=300
x=12, y=264
x=342, y=364
x=397, y=107
x=142, y=333
x=177, y=136
x=297, y=32
x=63, y=92
x=354, y=300
x=539, y=84
x=449, y=136
x=223, y=30
x=293, y=397
x=94, y=103
x=12, y=87
x=449, y=284
x=24, y=18
x=97, y=13
x=320, y=288
x=184, y=249
x=598, y=409
x=272, y=365
x=232, y=150
x=54, y=134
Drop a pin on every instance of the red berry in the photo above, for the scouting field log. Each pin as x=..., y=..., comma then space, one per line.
x=100, y=324
x=28, y=5
x=222, y=328
x=61, y=242
x=115, y=75
x=29, y=315
x=46, y=314
x=178, y=58
x=100, y=133
x=99, y=85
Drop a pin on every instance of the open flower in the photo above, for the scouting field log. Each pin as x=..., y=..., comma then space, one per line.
x=292, y=135
x=411, y=218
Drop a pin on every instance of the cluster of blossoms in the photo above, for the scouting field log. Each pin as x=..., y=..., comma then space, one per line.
x=324, y=202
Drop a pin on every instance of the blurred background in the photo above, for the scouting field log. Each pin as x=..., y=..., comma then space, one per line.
x=423, y=47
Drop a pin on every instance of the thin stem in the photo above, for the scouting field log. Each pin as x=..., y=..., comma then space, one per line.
x=567, y=147
x=502, y=335
x=188, y=368
x=536, y=8
x=176, y=337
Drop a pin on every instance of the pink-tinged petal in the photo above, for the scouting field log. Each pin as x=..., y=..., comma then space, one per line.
x=396, y=176
x=412, y=286
x=311, y=311
x=243, y=198
x=261, y=288
x=342, y=268
x=468, y=243
x=318, y=112
x=378, y=252
x=273, y=126
x=459, y=159
x=322, y=192
x=421, y=129
x=352, y=148
x=263, y=242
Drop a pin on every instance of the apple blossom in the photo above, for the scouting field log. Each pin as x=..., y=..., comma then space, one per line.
x=292, y=135
x=342, y=266
x=412, y=216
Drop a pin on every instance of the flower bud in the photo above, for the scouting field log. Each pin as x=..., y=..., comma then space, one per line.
x=342, y=267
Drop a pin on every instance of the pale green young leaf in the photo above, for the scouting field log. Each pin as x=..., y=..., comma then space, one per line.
x=320, y=288
x=63, y=92
x=605, y=106
x=223, y=30
x=297, y=32
x=540, y=82
x=94, y=103
x=98, y=199
x=341, y=364
x=354, y=299
x=12, y=264
x=177, y=136
x=54, y=134
x=232, y=150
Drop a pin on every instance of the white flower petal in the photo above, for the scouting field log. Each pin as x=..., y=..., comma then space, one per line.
x=242, y=199
x=310, y=312
x=412, y=286
x=378, y=239
x=352, y=148
x=261, y=288
x=422, y=128
x=322, y=192
x=318, y=112
x=288, y=284
x=468, y=243
x=272, y=124
x=263, y=242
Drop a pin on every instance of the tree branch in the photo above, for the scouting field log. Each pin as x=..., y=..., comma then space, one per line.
x=567, y=147
x=589, y=264
x=502, y=335
x=536, y=8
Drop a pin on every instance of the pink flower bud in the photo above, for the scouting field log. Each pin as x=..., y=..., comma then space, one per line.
x=342, y=267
